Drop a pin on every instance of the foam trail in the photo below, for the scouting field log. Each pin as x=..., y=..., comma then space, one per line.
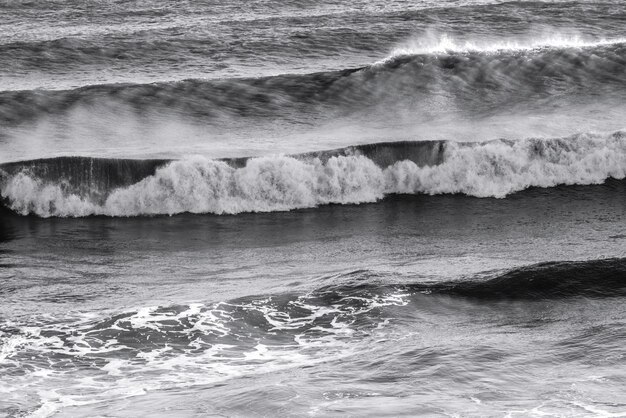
x=278, y=183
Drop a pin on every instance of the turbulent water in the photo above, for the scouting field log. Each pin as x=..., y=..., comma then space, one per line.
x=318, y=208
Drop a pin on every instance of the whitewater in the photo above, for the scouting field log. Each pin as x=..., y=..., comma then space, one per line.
x=199, y=185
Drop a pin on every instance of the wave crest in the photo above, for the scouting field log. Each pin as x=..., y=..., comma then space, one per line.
x=446, y=44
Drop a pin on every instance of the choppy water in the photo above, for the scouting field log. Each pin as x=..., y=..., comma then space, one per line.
x=377, y=208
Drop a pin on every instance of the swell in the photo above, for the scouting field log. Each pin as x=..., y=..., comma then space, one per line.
x=551, y=280
x=596, y=278
x=79, y=186
x=24, y=51
x=475, y=79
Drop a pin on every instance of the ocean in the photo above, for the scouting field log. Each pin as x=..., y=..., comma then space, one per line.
x=312, y=208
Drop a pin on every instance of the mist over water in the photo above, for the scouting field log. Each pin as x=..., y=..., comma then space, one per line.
x=511, y=70
x=313, y=208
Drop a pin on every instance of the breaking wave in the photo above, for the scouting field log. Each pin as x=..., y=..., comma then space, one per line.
x=75, y=186
x=446, y=44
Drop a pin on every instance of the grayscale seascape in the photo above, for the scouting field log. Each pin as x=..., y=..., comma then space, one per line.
x=312, y=208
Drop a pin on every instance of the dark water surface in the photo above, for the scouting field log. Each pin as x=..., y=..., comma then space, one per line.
x=414, y=305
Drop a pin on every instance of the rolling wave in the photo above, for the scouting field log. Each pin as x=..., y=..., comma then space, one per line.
x=553, y=280
x=75, y=186
x=475, y=79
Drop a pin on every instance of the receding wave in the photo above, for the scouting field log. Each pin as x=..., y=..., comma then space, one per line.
x=208, y=343
x=476, y=79
x=80, y=186
x=185, y=345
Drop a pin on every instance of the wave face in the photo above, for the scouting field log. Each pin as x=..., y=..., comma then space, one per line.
x=554, y=280
x=73, y=187
x=475, y=79
x=93, y=177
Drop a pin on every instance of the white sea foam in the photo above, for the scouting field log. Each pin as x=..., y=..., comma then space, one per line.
x=444, y=44
x=199, y=185
x=207, y=344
